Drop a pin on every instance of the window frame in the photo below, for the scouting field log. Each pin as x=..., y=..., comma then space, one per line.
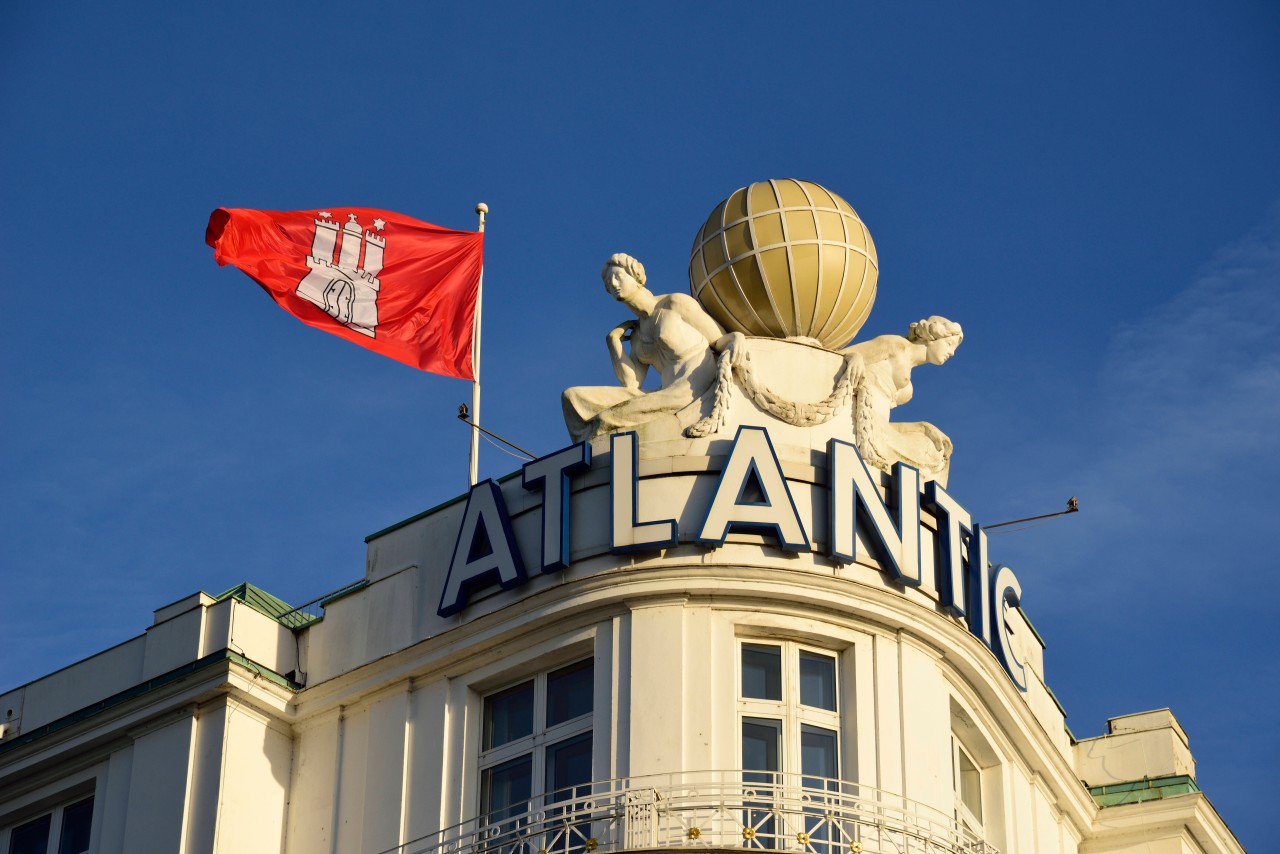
x=974, y=822
x=541, y=738
x=990, y=764
x=57, y=817
x=789, y=711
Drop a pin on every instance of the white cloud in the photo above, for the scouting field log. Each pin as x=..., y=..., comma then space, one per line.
x=1174, y=473
x=1195, y=386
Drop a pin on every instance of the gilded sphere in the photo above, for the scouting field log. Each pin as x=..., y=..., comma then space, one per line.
x=786, y=259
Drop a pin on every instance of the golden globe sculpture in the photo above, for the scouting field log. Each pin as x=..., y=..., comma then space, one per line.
x=786, y=259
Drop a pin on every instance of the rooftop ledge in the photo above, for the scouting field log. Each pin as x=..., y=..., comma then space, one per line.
x=762, y=811
x=1137, y=791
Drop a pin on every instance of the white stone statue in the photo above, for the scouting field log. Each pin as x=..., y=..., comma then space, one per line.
x=886, y=382
x=671, y=333
x=710, y=383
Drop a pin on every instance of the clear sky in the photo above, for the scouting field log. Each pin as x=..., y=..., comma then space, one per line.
x=1092, y=191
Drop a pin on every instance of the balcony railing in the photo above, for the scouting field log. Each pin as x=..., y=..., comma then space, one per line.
x=715, y=809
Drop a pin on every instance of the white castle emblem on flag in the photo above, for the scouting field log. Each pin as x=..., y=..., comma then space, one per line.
x=346, y=289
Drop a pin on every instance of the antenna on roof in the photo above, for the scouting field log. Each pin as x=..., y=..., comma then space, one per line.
x=1073, y=506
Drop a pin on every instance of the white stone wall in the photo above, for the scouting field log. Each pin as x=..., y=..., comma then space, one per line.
x=197, y=760
x=403, y=760
x=382, y=746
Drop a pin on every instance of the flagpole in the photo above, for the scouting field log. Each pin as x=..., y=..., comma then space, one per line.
x=481, y=210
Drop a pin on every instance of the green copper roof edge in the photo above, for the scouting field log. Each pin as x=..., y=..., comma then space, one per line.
x=1058, y=703
x=265, y=672
x=425, y=513
x=1145, y=783
x=267, y=605
x=1031, y=626
x=1140, y=791
x=147, y=687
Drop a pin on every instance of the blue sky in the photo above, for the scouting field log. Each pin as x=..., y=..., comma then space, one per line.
x=1093, y=192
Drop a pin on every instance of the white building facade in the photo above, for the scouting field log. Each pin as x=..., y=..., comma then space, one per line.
x=739, y=693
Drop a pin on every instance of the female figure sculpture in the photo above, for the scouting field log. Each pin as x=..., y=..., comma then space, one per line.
x=886, y=382
x=671, y=333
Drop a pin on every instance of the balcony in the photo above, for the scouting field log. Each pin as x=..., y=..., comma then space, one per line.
x=751, y=811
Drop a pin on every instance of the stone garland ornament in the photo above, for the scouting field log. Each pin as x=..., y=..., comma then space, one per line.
x=795, y=413
x=874, y=392
x=786, y=260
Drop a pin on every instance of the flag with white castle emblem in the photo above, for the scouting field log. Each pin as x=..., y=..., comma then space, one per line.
x=398, y=286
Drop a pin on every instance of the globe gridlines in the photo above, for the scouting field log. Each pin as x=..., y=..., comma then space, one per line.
x=786, y=258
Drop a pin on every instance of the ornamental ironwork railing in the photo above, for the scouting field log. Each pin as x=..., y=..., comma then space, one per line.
x=745, y=810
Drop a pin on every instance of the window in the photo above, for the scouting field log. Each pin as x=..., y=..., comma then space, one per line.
x=536, y=745
x=790, y=735
x=790, y=719
x=63, y=831
x=976, y=781
x=967, y=780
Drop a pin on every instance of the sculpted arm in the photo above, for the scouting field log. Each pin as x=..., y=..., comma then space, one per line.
x=733, y=343
x=881, y=349
x=717, y=339
x=697, y=317
x=630, y=371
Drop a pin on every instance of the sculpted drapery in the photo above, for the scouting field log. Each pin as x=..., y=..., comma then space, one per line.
x=697, y=362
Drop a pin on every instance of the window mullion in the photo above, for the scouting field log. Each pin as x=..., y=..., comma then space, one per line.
x=561, y=731
x=791, y=679
x=540, y=738
x=790, y=711
x=791, y=675
x=538, y=789
x=506, y=752
x=540, y=703
x=532, y=751
x=791, y=760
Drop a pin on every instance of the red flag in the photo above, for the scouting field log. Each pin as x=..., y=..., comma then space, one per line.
x=402, y=288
